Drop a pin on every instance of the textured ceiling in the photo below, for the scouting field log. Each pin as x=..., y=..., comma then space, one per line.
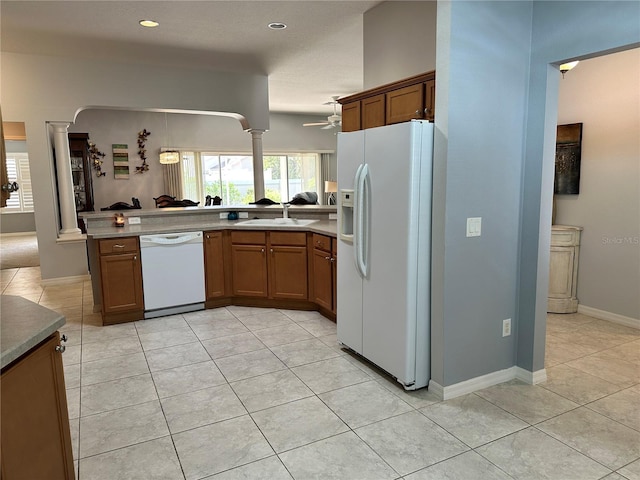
x=318, y=55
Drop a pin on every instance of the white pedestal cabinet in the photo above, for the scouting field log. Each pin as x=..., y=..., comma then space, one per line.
x=563, y=269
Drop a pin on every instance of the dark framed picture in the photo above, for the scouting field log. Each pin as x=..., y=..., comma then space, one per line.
x=568, y=152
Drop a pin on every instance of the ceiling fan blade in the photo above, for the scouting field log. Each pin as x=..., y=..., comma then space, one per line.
x=316, y=124
x=331, y=125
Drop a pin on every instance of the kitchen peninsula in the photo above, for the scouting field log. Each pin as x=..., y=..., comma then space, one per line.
x=271, y=262
x=36, y=440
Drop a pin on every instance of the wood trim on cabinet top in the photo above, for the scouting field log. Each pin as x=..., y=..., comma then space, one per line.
x=389, y=87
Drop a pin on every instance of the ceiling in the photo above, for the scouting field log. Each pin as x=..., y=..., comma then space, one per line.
x=318, y=55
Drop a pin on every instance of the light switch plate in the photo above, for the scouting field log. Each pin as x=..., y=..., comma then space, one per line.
x=333, y=216
x=474, y=226
x=223, y=214
x=134, y=220
x=243, y=214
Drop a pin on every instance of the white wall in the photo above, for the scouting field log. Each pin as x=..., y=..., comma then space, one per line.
x=399, y=41
x=603, y=94
x=183, y=131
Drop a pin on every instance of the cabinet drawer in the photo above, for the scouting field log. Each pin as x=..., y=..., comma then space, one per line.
x=118, y=245
x=321, y=242
x=288, y=238
x=249, y=238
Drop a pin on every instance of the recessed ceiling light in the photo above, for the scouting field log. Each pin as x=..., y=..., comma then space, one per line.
x=277, y=26
x=148, y=23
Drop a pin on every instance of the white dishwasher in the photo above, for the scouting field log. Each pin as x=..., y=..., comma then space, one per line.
x=172, y=273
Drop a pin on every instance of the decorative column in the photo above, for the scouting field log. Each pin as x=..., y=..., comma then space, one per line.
x=258, y=165
x=66, y=198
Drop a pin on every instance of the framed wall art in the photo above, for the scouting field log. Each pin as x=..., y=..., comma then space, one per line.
x=568, y=153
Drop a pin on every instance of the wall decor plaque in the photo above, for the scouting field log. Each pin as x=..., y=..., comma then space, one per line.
x=120, y=161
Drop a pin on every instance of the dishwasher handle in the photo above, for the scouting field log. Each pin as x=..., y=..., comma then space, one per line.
x=170, y=239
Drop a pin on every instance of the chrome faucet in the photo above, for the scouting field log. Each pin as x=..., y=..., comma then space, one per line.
x=285, y=210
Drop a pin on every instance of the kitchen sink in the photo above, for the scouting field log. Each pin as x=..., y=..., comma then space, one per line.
x=277, y=222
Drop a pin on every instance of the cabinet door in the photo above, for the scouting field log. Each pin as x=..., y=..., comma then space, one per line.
x=214, y=264
x=405, y=104
x=373, y=111
x=561, y=272
x=288, y=272
x=249, y=270
x=121, y=283
x=430, y=99
x=322, y=273
x=351, y=117
x=36, y=442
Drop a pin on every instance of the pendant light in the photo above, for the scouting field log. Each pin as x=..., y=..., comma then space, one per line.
x=168, y=156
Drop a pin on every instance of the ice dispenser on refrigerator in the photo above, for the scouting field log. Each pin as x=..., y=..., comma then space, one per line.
x=346, y=209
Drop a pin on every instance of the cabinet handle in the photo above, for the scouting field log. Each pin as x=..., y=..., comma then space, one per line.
x=271, y=251
x=333, y=260
x=135, y=257
x=262, y=250
x=208, y=237
x=63, y=338
x=418, y=113
x=60, y=348
x=327, y=258
x=427, y=110
x=117, y=245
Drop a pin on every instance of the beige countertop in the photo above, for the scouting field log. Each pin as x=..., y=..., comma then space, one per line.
x=23, y=325
x=164, y=220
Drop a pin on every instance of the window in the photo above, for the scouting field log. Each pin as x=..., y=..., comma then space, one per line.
x=230, y=176
x=18, y=171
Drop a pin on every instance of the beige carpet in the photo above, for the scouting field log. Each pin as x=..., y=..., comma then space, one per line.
x=18, y=251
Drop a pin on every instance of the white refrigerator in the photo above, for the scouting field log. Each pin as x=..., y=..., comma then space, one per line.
x=384, y=247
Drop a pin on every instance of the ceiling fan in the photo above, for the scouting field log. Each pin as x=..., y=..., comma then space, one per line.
x=333, y=121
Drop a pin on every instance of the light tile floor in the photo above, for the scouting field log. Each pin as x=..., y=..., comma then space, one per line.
x=247, y=393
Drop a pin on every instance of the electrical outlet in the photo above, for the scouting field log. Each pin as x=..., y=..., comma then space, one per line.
x=134, y=220
x=333, y=216
x=506, y=327
x=243, y=214
x=223, y=215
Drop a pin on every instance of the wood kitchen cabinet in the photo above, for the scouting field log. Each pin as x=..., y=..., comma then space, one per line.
x=36, y=440
x=373, y=111
x=269, y=264
x=288, y=265
x=351, y=117
x=249, y=264
x=214, y=267
x=324, y=272
x=121, y=279
x=407, y=99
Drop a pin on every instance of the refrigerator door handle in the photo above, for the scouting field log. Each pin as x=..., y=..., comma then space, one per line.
x=357, y=201
x=360, y=213
x=366, y=218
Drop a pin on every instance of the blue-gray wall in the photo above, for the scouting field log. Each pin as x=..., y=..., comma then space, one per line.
x=560, y=31
x=496, y=116
x=477, y=173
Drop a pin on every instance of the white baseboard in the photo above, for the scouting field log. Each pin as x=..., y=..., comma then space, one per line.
x=64, y=280
x=16, y=234
x=611, y=317
x=532, y=378
x=488, y=380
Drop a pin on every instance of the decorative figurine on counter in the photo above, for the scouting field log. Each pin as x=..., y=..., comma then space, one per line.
x=118, y=220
